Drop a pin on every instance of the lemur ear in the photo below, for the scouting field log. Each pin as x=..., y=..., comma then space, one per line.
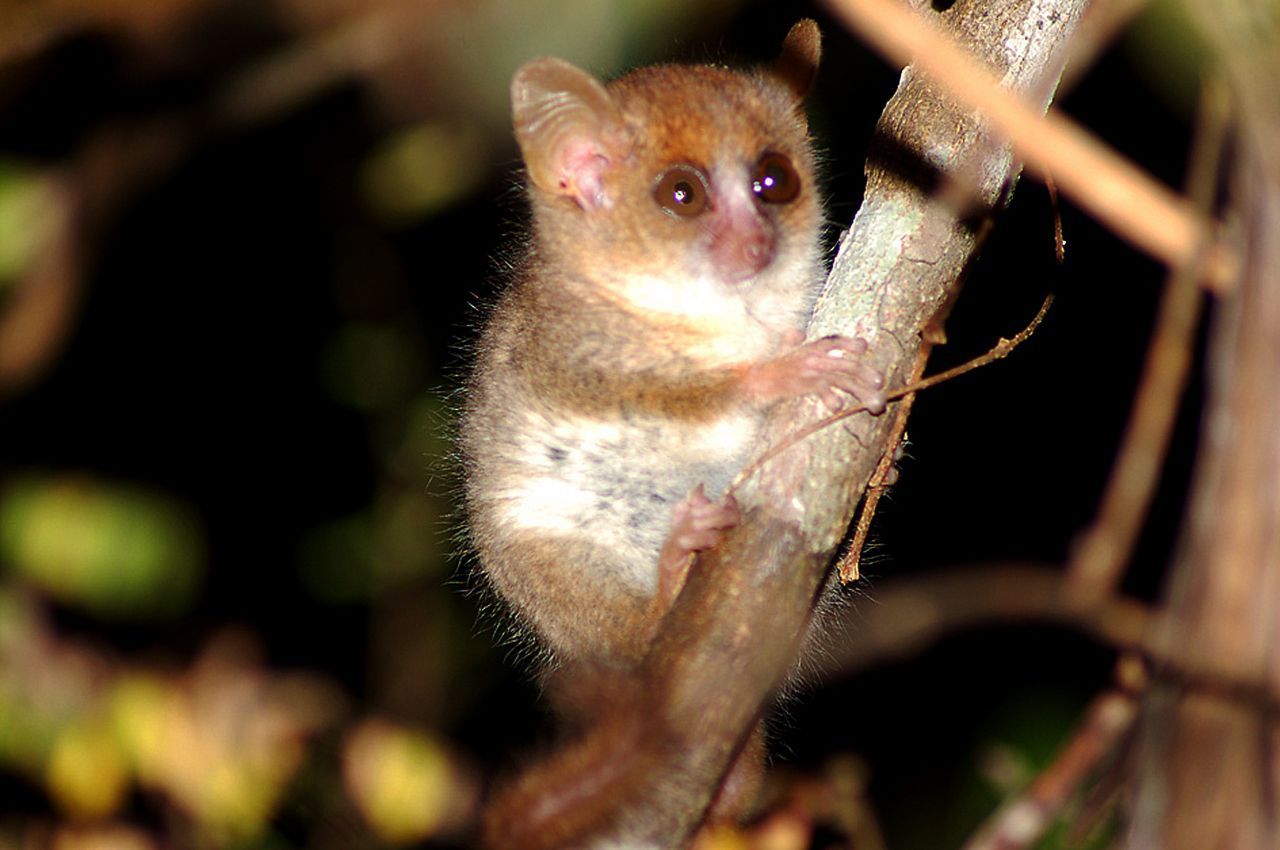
x=797, y=65
x=569, y=129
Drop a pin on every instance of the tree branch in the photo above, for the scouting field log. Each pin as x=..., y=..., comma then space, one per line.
x=1099, y=559
x=1110, y=187
x=913, y=613
x=1210, y=772
x=1022, y=821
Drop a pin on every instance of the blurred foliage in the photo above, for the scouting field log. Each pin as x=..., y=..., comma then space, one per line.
x=221, y=741
x=125, y=697
x=405, y=784
x=26, y=217
x=1170, y=53
x=398, y=539
x=828, y=807
x=210, y=744
x=423, y=169
x=372, y=366
x=96, y=837
x=119, y=551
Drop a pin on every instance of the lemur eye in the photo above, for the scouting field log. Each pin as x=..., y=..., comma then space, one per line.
x=775, y=180
x=681, y=191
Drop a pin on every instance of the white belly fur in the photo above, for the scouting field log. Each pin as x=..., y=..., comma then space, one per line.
x=615, y=483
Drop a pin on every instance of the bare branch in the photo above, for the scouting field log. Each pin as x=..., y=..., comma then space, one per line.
x=1122, y=196
x=1210, y=775
x=880, y=479
x=1104, y=550
x=906, y=394
x=1022, y=821
x=911, y=614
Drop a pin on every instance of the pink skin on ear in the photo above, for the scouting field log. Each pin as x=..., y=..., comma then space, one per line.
x=569, y=130
x=581, y=170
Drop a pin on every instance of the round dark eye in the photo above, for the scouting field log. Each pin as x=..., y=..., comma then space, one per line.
x=775, y=180
x=681, y=191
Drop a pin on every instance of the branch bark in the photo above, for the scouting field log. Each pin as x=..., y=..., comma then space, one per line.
x=734, y=631
x=1112, y=188
x=1210, y=772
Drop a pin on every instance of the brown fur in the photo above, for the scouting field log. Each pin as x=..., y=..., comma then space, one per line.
x=569, y=343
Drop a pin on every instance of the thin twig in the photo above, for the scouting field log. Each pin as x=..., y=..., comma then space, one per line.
x=848, y=566
x=1104, y=550
x=1059, y=235
x=913, y=613
x=1110, y=187
x=999, y=351
x=1022, y=821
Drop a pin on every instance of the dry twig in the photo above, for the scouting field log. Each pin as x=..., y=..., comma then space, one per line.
x=1022, y=821
x=1096, y=565
x=880, y=479
x=911, y=614
x=1002, y=349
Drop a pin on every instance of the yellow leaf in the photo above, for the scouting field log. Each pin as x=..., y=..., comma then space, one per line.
x=86, y=773
x=403, y=782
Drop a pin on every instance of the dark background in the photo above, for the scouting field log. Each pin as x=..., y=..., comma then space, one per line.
x=259, y=343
